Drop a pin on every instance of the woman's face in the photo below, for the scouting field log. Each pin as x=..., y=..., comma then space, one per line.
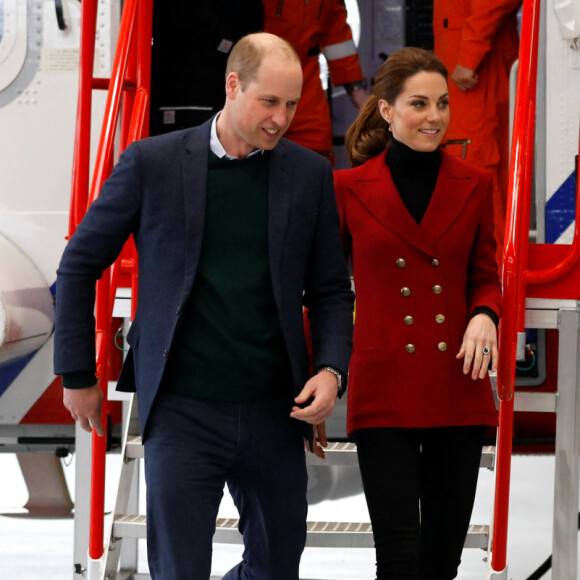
x=420, y=114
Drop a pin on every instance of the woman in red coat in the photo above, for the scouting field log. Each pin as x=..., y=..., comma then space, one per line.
x=418, y=226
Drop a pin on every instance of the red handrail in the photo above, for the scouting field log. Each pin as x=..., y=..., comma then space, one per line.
x=514, y=257
x=519, y=200
x=130, y=82
x=82, y=149
x=112, y=109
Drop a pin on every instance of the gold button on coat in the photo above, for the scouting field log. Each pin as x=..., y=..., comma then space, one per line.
x=410, y=348
x=401, y=263
x=440, y=319
x=442, y=346
x=437, y=289
x=434, y=262
x=409, y=320
x=405, y=291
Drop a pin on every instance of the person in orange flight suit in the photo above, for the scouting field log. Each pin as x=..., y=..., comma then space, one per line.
x=478, y=43
x=312, y=27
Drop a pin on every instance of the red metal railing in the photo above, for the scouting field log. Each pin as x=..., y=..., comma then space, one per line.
x=514, y=259
x=129, y=85
x=517, y=275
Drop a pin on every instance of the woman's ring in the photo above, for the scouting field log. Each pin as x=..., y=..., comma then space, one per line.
x=486, y=350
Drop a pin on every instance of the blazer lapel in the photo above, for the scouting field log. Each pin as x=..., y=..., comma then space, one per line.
x=194, y=164
x=279, y=200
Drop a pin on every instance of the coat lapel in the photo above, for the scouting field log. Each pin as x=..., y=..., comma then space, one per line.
x=376, y=190
x=452, y=191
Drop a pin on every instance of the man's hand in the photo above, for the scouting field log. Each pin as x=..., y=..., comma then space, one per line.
x=321, y=390
x=85, y=406
x=465, y=78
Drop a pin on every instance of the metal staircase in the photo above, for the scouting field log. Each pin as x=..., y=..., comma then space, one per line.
x=128, y=525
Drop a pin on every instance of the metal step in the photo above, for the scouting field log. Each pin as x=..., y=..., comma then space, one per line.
x=488, y=457
x=320, y=534
x=337, y=453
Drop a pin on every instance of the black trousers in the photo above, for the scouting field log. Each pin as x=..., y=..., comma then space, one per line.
x=420, y=487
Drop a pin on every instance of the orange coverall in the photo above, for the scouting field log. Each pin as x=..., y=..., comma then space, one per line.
x=480, y=35
x=311, y=27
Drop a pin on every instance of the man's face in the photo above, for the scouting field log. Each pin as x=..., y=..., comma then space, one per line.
x=261, y=112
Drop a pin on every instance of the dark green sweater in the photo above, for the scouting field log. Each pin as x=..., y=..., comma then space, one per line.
x=229, y=345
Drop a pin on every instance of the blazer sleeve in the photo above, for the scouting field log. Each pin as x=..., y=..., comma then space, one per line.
x=95, y=245
x=483, y=284
x=327, y=293
x=339, y=189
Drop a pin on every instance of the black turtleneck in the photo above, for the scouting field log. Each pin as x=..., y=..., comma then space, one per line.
x=414, y=175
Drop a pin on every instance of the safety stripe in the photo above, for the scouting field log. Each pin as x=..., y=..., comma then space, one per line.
x=9, y=372
x=339, y=50
x=560, y=209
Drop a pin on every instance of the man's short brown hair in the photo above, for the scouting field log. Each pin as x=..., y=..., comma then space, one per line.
x=249, y=52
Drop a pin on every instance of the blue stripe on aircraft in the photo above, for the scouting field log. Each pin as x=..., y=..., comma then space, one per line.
x=560, y=210
x=10, y=370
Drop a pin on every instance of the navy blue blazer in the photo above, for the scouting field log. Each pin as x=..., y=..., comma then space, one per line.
x=157, y=193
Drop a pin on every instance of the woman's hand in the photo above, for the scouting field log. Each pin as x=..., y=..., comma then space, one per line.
x=479, y=344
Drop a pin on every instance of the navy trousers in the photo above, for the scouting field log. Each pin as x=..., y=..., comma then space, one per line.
x=193, y=447
x=420, y=487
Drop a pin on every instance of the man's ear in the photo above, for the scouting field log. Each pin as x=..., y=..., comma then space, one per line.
x=233, y=85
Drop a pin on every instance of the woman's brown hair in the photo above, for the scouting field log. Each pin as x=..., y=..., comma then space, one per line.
x=369, y=134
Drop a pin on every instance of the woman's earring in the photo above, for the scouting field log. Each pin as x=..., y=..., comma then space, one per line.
x=389, y=127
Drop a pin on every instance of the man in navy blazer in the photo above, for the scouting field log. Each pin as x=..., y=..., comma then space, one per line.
x=236, y=230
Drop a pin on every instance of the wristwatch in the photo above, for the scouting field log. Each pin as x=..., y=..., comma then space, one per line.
x=335, y=372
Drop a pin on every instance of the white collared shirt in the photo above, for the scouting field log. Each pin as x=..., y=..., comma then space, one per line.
x=217, y=148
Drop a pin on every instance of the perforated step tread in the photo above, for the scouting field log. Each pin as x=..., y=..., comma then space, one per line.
x=337, y=453
x=320, y=534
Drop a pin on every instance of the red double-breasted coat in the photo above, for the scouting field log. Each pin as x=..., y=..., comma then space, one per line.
x=416, y=287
